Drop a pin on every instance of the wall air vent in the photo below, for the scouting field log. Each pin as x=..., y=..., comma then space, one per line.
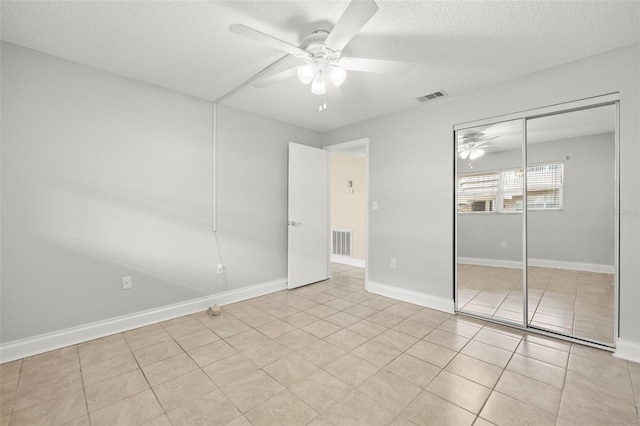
x=342, y=242
x=431, y=96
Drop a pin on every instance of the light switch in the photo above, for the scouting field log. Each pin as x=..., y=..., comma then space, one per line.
x=375, y=205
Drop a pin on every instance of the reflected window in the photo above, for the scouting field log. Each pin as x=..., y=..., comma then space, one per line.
x=500, y=191
x=477, y=192
x=544, y=186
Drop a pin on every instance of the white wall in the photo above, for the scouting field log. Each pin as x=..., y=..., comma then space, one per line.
x=411, y=172
x=104, y=176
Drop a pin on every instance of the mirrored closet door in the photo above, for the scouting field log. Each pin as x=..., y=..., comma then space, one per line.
x=544, y=258
x=570, y=223
x=489, y=204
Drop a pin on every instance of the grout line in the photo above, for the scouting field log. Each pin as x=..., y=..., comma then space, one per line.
x=636, y=398
x=84, y=389
x=37, y=381
x=498, y=381
x=144, y=374
x=13, y=401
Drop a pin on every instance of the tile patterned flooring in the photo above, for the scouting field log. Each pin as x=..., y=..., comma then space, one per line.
x=573, y=303
x=325, y=354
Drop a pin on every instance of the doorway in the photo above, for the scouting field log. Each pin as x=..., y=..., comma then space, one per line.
x=348, y=201
x=310, y=234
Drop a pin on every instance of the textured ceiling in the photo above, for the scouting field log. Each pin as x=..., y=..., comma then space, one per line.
x=454, y=46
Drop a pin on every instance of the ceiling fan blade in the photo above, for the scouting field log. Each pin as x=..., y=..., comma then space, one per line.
x=484, y=139
x=276, y=78
x=357, y=14
x=466, y=147
x=374, y=65
x=256, y=35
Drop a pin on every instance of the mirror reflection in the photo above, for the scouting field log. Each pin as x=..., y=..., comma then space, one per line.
x=570, y=223
x=489, y=225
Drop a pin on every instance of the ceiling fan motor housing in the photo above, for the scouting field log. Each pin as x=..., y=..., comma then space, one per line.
x=314, y=45
x=322, y=63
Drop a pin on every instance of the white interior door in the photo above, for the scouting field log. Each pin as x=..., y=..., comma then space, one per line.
x=308, y=215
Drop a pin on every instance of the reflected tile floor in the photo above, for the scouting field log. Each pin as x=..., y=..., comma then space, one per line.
x=325, y=354
x=573, y=303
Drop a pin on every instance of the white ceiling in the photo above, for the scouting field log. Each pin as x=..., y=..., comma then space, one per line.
x=454, y=46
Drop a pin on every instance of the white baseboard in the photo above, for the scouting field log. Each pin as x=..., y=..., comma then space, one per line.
x=346, y=260
x=497, y=263
x=628, y=350
x=542, y=263
x=47, y=342
x=411, y=296
x=573, y=266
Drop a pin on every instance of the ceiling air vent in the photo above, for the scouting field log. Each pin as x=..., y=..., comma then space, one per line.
x=431, y=96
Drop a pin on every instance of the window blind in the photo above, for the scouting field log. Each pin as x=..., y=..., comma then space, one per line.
x=478, y=192
x=544, y=186
x=501, y=191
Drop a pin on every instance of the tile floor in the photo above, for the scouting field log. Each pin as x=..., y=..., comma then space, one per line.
x=325, y=354
x=573, y=303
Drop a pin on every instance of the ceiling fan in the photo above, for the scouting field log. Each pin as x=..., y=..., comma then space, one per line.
x=471, y=145
x=321, y=51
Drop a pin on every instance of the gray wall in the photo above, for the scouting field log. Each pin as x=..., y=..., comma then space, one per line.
x=104, y=177
x=411, y=172
x=481, y=235
x=583, y=231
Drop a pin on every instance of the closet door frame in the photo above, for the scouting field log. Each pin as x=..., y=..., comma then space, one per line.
x=587, y=103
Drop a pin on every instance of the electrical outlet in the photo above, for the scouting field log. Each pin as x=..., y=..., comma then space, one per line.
x=220, y=268
x=127, y=283
x=393, y=262
x=504, y=244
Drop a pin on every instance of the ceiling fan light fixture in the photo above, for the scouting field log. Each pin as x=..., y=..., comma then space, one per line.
x=322, y=51
x=305, y=74
x=464, y=154
x=476, y=153
x=337, y=75
x=318, y=86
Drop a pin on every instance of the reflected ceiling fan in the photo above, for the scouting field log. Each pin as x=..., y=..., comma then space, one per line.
x=471, y=145
x=321, y=52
